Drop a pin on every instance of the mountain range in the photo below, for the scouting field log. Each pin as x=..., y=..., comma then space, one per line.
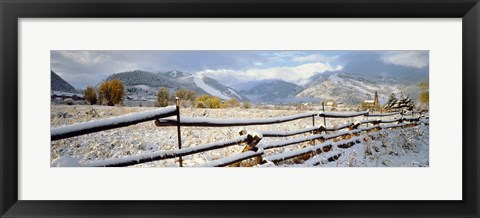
x=340, y=86
x=143, y=85
x=350, y=88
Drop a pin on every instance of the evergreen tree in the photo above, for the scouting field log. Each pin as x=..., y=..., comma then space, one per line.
x=392, y=102
x=404, y=102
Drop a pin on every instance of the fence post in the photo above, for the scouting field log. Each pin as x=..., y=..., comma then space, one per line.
x=367, y=118
x=250, y=144
x=313, y=132
x=177, y=103
x=324, y=119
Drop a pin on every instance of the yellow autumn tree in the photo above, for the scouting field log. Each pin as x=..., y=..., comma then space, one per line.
x=185, y=95
x=207, y=101
x=90, y=95
x=163, y=97
x=111, y=92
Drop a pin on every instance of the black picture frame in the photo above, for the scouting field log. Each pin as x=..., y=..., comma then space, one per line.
x=11, y=11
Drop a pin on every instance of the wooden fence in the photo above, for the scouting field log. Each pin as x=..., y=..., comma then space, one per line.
x=328, y=137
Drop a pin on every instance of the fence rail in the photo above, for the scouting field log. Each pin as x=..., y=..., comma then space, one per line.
x=110, y=123
x=215, y=122
x=254, y=147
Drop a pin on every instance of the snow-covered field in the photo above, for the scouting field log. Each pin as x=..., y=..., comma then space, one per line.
x=398, y=147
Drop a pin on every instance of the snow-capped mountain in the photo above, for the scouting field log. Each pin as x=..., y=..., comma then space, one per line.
x=353, y=89
x=343, y=87
x=59, y=84
x=175, y=74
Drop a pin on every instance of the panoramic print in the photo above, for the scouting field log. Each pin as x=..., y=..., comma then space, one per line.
x=216, y=108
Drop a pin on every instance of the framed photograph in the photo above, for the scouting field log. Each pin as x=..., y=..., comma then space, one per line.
x=226, y=108
x=216, y=92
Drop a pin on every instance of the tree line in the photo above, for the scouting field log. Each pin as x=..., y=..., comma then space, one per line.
x=188, y=98
x=110, y=92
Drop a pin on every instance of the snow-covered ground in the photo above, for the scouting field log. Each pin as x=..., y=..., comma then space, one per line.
x=399, y=147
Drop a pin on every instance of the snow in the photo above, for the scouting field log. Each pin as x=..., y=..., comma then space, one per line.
x=123, y=120
x=282, y=143
x=393, y=148
x=342, y=133
x=65, y=161
x=336, y=79
x=404, y=146
x=210, y=90
x=343, y=126
x=233, y=92
x=272, y=133
x=320, y=159
x=355, y=139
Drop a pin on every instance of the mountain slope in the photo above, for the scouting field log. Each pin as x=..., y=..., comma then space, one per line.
x=213, y=87
x=272, y=91
x=175, y=74
x=142, y=85
x=353, y=89
x=59, y=84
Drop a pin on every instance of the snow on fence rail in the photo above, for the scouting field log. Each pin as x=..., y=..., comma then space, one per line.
x=383, y=115
x=321, y=159
x=342, y=115
x=252, y=148
x=110, y=123
x=216, y=122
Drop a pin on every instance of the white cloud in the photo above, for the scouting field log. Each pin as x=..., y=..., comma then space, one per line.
x=281, y=56
x=84, y=57
x=417, y=59
x=314, y=58
x=297, y=74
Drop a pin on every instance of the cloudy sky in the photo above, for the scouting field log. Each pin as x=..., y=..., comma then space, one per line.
x=82, y=68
